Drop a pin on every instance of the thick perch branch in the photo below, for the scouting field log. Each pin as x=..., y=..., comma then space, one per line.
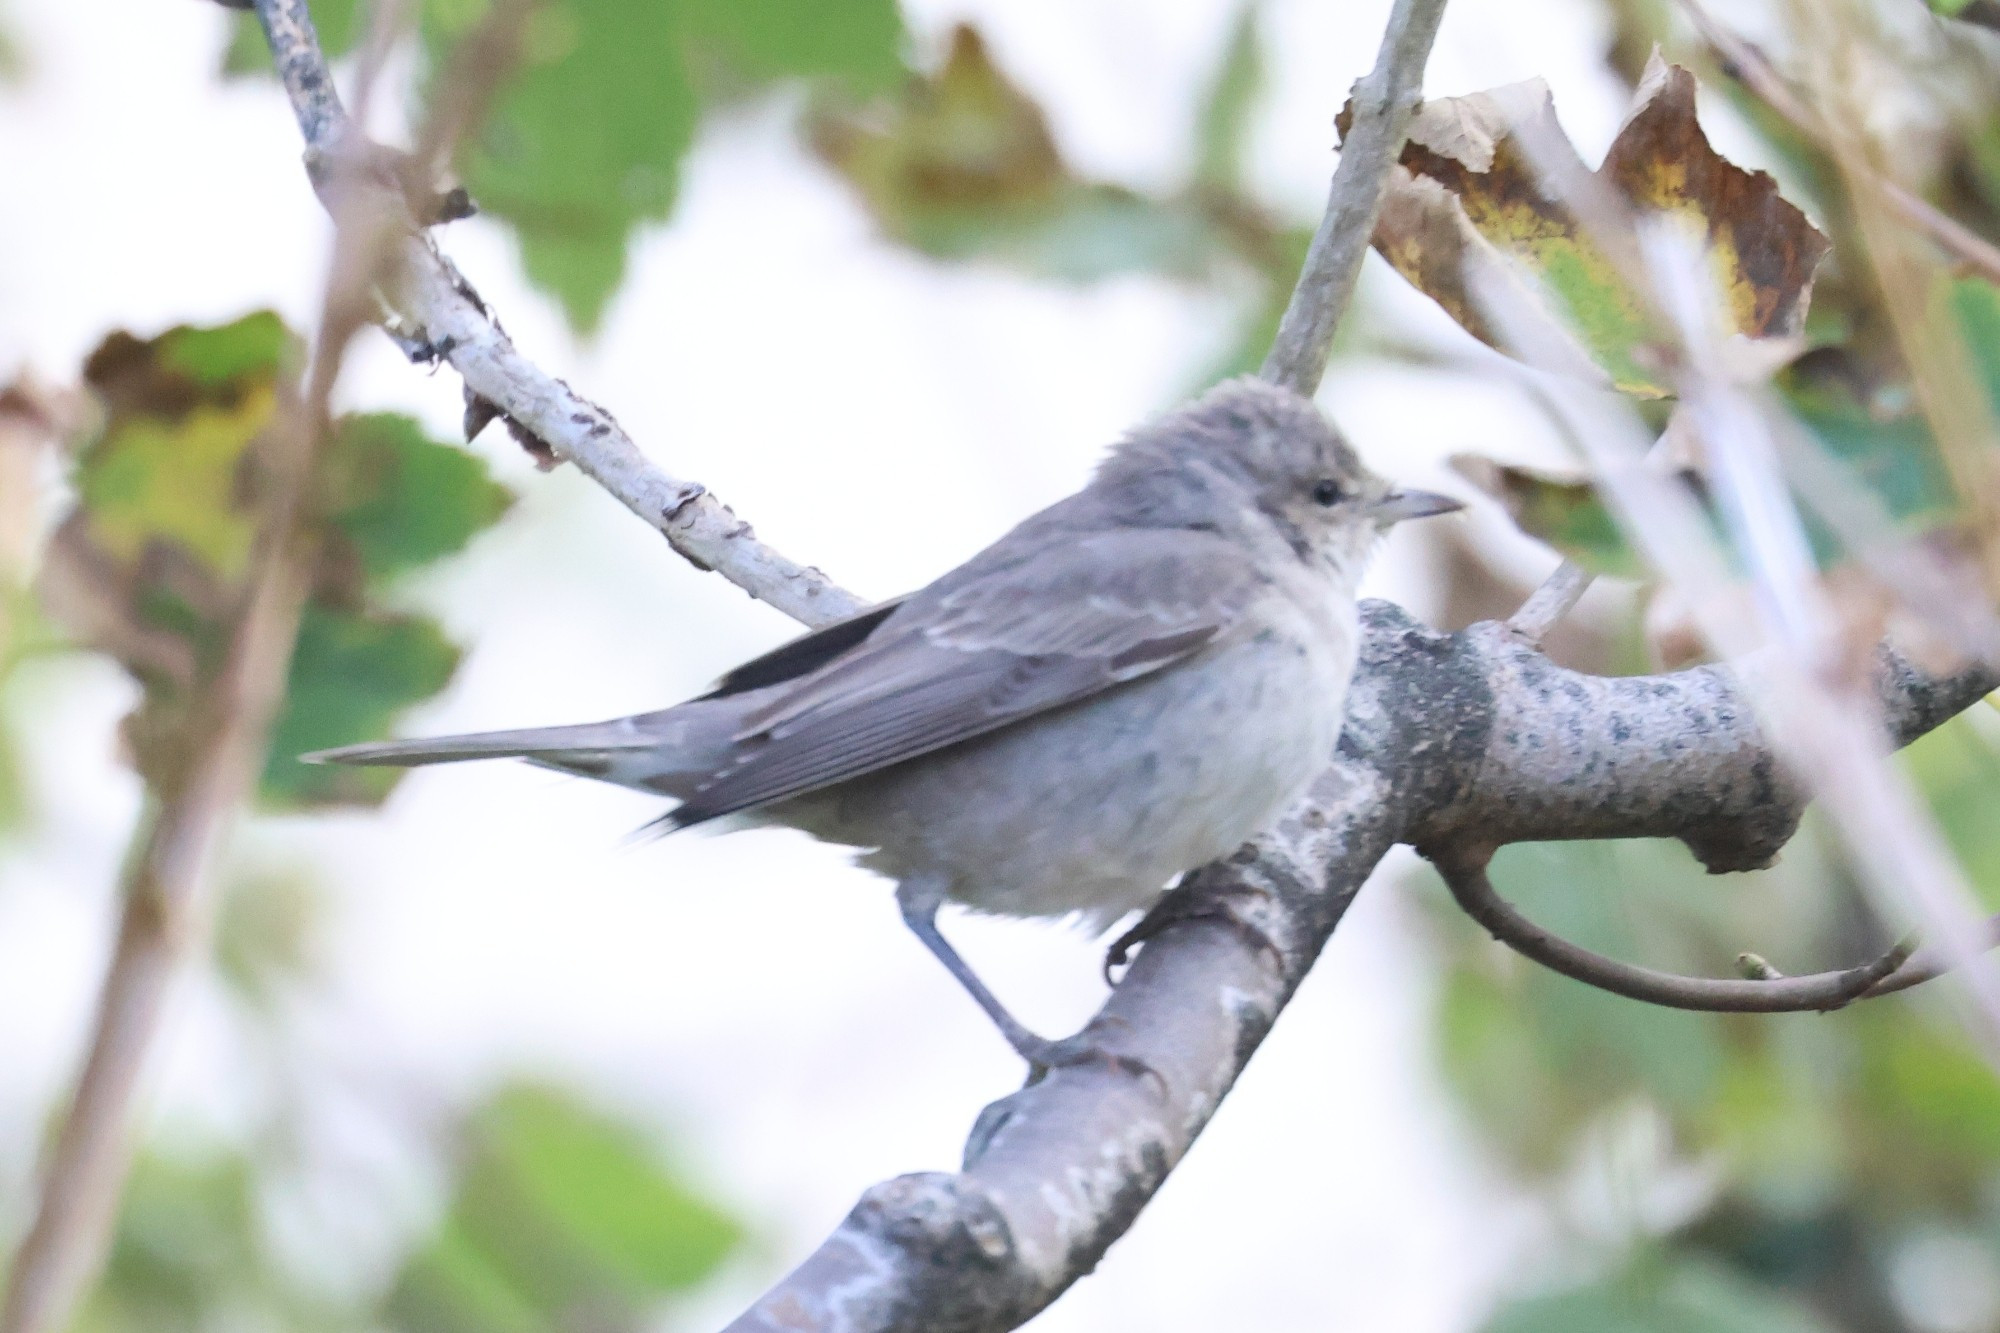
x=1451, y=739
x=1448, y=735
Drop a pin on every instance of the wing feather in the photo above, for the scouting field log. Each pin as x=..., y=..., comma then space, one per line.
x=950, y=665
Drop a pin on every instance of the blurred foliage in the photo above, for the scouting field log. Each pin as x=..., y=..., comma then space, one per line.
x=1981, y=13
x=1849, y=1164
x=153, y=562
x=1835, y=1142
x=586, y=139
x=963, y=165
x=1682, y=1296
x=32, y=421
x=557, y=1218
x=191, y=1251
x=1565, y=512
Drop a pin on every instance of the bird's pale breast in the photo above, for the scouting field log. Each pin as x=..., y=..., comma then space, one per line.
x=1093, y=809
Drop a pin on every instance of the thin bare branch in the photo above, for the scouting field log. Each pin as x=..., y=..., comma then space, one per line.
x=1384, y=100
x=443, y=318
x=163, y=893
x=1548, y=604
x=167, y=884
x=1767, y=992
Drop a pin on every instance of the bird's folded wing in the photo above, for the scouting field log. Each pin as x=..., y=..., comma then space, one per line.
x=990, y=650
x=805, y=654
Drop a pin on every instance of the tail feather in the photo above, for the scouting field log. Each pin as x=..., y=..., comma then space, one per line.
x=529, y=743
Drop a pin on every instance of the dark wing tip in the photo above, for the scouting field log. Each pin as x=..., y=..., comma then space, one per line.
x=673, y=821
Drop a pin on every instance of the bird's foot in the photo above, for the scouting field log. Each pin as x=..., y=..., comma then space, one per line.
x=1080, y=1050
x=1197, y=901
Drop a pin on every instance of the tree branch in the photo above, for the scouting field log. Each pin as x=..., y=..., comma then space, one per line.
x=1448, y=736
x=1547, y=605
x=444, y=318
x=1769, y=993
x=1384, y=100
x=170, y=866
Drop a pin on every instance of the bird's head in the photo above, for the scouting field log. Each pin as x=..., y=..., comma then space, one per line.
x=1259, y=463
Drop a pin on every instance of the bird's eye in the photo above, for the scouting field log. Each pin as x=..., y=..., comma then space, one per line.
x=1329, y=492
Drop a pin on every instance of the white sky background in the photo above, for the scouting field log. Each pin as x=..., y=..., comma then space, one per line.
x=873, y=413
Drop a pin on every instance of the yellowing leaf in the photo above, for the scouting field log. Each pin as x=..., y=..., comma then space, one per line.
x=152, y=563
x=1469, y=193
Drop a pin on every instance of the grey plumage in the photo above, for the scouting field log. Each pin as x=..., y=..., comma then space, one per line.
x=1131, y=682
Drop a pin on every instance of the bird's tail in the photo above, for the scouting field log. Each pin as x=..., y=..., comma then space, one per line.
x=527, y=743
x=667, y=752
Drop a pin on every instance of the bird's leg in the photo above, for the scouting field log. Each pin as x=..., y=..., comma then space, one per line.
x=919, y=900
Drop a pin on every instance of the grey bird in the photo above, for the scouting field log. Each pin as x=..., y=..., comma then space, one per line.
x=1132, y=682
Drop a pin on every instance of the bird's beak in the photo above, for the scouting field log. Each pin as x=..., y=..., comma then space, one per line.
x=1399, y=505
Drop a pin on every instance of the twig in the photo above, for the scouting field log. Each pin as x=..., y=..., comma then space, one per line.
x=445, y=319
x=1769, y=993
x=1548, y=604
x=162, y=893
x=1384, y=100
x=1755, y=72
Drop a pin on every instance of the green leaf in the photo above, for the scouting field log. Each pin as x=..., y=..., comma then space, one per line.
x=454, y=1286
x=1469, y=199
x=351, y=675
x=854, y=41
x=586, y=140
x=1565, y=512
x=402, y=499
x=559, y=1214
x=1867, y=417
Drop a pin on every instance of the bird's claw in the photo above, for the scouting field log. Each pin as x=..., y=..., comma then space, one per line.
x=1195, y=903
x=1044, y=1054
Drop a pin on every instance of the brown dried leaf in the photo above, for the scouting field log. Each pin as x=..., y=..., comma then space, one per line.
x=1468, y=194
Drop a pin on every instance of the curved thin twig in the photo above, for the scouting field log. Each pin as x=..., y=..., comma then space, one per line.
x=1769, y=992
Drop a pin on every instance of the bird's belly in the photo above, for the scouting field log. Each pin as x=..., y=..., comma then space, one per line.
x=1095, y=808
